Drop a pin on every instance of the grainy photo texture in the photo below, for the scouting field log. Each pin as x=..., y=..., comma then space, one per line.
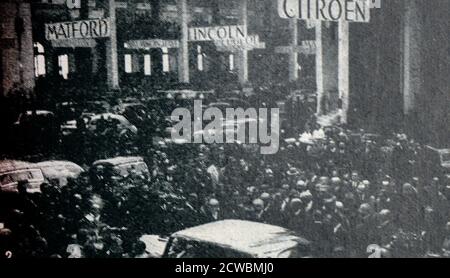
x=224, y=129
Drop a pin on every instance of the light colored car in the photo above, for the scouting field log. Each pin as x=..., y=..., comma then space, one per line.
x=14, y=171
x=230, y=239
x=121, y=166
x=123, y=123
x=60, y=171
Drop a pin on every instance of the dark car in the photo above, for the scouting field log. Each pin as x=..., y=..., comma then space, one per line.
x=36, y=131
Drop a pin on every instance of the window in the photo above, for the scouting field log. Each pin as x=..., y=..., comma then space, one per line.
x=128, y=63
x=63, y=63
x=199, y=58
x=39, y=60
x=231, y=62
x=147, y=64
x=165, y=59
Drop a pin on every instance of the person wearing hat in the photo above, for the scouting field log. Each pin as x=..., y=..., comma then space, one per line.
x=257, y=213
x=212, y=211
x=295, y=214
x=273, y=210
x=302, y=186
x=409, y=209
x=365, y=229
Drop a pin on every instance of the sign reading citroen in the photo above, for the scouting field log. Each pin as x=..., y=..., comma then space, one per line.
x=328, y=10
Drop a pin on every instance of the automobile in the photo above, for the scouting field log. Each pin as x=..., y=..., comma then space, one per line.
x=119, y=167
x=185, y=94
x=96, y=107
x=230, y=239
x=135, y=112
x=121, y=121
x=437, y=161
x=60, y=171
x=14, y=171
x=42, y=121
x=235, y=102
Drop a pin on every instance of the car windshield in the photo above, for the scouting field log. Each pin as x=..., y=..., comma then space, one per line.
x=16, y=176
x=300, y=251
x=125, y=169
x=181, y=248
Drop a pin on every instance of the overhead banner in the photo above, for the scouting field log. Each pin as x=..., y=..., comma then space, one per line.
x=84, y=29
x=328, y=10
x=74, y=43
x=150, y=44
x=250, y=42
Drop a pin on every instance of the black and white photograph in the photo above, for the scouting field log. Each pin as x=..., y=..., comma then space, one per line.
x=224, y=129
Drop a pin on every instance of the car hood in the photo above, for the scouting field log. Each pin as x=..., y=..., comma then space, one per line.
x=155, y=245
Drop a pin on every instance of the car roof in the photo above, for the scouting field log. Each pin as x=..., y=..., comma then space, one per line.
x=15, y=165
x=39, y=112
x=109, y=115
x=119, y=160
x=256, y=239
x=57, y=163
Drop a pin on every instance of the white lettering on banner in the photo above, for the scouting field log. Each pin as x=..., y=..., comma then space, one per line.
x=234, y=45
x=217, y=33
x=85, y=29
x=145, y=44
x=74, y=43
x=306, y=48
x=328, y=10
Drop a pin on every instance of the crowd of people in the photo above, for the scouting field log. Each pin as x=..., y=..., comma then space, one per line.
x=350, y=194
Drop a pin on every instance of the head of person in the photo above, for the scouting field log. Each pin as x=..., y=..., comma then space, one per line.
x=22, y=187
x=361, y=189
x=365, y=210
x=302, y=185
x=213, y=205
x=296, y=204
x=139, y=247
x=384, y=215
x=265, y=197
x=355, y=176
x=409, y=190
x=258, y=205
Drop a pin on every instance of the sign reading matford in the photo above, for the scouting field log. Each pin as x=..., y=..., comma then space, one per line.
x=84, y=29
x=328, y=10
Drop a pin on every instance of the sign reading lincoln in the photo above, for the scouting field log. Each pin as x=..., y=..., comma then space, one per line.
x=84, y=29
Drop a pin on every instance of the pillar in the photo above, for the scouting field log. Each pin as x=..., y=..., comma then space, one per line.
x=183, y=51
x=293, y=59
x=343, y=70
x=412, y=81
x=111, y=50
x=326, y=68
x=242, y=57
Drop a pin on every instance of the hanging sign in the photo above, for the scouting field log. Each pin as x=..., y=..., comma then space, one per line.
x=149, y=44
x=84, y=29
x=328, y=10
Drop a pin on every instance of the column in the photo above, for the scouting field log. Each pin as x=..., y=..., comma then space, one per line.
x=293, y=59
x=111, y=50
x=327, y=67
x=183, y=51
x=343, y=70
x=242, y=57
x=412, y=82
x=319, y=67
x=27, y=54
